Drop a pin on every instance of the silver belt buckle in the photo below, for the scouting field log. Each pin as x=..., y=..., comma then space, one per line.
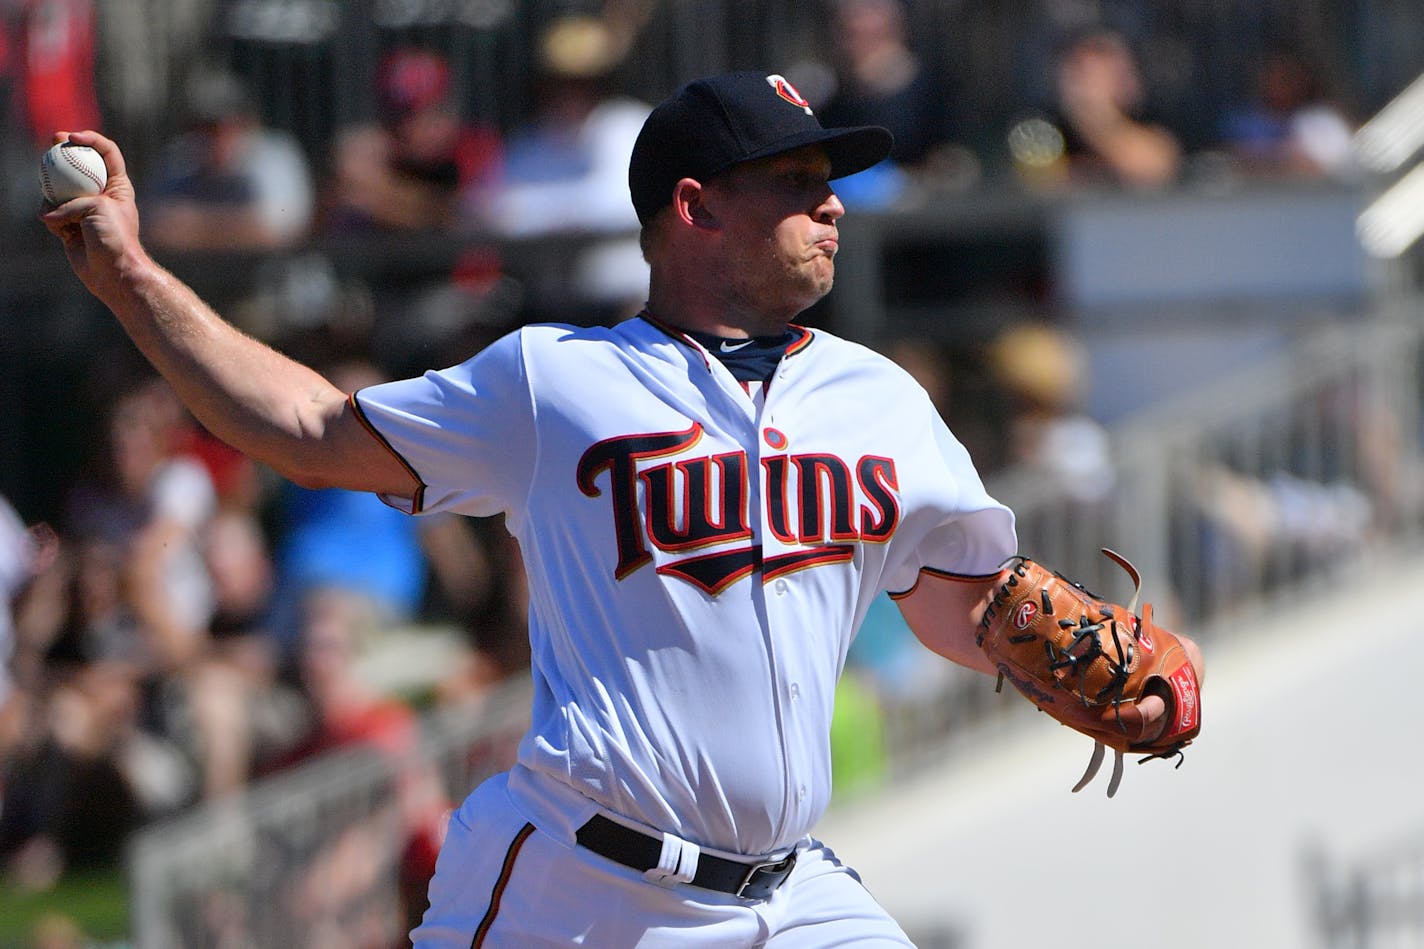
x=784, y=866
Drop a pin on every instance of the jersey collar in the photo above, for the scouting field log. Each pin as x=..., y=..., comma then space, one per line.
x=797, y=345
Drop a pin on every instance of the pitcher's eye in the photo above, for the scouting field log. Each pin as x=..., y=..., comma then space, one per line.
x=806, y=179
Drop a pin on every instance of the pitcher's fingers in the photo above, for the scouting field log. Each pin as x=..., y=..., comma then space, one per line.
x=107, y=149
x=1144, y=720
x=1194, y=656
x=61, y=218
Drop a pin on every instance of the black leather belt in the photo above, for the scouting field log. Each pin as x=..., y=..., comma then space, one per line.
x=750, y=881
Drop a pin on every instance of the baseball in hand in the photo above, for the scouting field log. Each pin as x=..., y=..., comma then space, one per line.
x=70, y=171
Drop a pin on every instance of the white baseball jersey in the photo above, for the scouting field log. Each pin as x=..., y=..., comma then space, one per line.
x=698, y=558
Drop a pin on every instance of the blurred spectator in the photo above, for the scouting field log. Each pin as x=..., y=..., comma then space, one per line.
x=498, y=631
x=150, y=504
x=347, y=713
x=244, y=711
x=879, y=80
x=418, y=162
x=243, y=577
x=17, y=560
x=1041, y=372
x=418, y=166
x=1249, y=520
x=1290, y=126
x=335, y=626
x=928, y=364
x=1101, y=129
x=47, y=67
x=26, y=554
x=349, y=540
x=956, y=380
x=566, y=169
x=125, y=709
x=1288, y=509
x=54, y=930
x=56, y=55
x=237, y=479
x=144, y=590
x=80, y=769
x=229, y=182
x=886, y=655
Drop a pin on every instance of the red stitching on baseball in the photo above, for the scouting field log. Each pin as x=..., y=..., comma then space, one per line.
x=81, y=168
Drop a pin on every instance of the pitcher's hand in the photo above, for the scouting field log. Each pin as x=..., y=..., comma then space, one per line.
x=100, y=232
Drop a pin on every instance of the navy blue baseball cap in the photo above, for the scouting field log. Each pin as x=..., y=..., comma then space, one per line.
x=711, y=124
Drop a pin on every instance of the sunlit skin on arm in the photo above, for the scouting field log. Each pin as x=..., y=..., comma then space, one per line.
x=246, y=393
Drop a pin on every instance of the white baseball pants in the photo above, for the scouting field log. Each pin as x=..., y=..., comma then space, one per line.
x=500, y=883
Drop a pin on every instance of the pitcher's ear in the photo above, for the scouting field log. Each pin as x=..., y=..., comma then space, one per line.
x=689, y=201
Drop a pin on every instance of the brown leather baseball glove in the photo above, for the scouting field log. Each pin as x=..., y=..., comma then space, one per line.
x=1084, y=661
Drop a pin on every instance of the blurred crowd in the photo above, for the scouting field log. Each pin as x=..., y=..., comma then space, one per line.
x=191, y=623
x=1098, y=99
x=184, y=623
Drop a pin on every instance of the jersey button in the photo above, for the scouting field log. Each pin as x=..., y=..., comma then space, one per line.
x=801, y=793
x=795, y=691
x=781, y=586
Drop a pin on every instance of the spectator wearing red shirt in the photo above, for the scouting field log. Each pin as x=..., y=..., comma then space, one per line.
x=413, y=167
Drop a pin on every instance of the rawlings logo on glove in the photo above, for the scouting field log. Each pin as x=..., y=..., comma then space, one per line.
x=1087, y=662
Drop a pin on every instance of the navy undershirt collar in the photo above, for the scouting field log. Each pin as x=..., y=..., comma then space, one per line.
x=750, y=360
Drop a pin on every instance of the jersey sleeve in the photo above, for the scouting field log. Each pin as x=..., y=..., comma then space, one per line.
x=467, y=432
x=961, y=530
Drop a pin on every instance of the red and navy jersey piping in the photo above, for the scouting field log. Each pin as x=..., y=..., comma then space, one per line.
x=501, y=884
x=417, y=502
x=942, y=575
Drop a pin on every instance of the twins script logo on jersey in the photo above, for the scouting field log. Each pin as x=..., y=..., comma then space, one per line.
x=696, y=505
x=788, y=92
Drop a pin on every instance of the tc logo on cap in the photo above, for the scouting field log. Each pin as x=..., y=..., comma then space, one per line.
x=788, y=92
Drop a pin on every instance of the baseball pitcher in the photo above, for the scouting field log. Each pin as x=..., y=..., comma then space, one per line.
x=708, y=497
